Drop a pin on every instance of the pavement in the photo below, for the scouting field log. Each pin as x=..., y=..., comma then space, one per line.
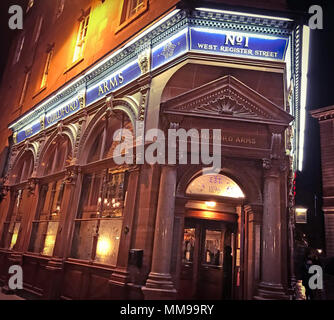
x=9, y=296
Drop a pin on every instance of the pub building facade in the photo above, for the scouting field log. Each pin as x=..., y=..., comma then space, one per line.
x=84, y=227
x=325, y=117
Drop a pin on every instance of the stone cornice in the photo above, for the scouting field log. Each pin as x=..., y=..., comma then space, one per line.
x=323, y=113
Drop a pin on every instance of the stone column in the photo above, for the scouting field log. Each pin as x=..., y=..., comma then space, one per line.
x=270, y=286
x=159, y=284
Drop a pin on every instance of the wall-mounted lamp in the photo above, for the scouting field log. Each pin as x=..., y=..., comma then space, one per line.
x=301, y=214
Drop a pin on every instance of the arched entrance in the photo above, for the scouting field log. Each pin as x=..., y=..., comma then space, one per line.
x=210, y=262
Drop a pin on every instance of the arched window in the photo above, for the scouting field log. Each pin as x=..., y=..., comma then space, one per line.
x=57, y=156
x=19, y=202
x=215, y=185
x=51, y=192
x=99, y=218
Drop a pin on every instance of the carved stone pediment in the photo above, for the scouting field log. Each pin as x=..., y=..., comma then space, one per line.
x=227, y=98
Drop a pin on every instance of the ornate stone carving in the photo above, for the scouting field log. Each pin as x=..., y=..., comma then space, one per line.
x=42, y=121
x=144, y=61
x=168, y=50
x=32, y=182
x=82, y=99
x=144, y=92
x=15, y=137
x=71, y=174
x=227, y=97
x=266, y=164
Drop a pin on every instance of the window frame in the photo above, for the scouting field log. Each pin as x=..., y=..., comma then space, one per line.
x=124, y=19
x=53, y=176
x=19, y=49
x=46, y=69
x=24, y=167
x=81, y=39
x=95, y=167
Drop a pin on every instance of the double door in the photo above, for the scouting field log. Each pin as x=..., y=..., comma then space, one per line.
x=207, y=260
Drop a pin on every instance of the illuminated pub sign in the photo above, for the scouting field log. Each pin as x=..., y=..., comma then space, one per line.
x=205, y=40
x=238, y=44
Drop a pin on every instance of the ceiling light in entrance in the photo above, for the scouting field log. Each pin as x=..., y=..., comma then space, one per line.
x=210, y=204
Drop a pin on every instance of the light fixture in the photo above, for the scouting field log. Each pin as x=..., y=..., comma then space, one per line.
x=301, y=214
x=303, y=94
x=319, y=251
x=210, y=204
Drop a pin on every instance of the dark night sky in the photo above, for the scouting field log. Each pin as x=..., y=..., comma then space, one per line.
x=320, y=94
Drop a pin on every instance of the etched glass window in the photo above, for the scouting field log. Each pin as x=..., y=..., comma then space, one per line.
x=45, y=225
x=100, y=216
x=215, y=184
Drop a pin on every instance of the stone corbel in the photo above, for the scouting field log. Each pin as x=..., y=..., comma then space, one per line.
x=32, y=182
x=71, y=174
x=144, y=61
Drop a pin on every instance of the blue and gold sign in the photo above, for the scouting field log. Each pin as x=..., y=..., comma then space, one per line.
x=113, y=82
x=238, y=44
x=61, y=112
x=170, y=49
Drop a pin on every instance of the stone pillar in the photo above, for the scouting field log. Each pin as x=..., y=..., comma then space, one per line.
x=271, y=286
x=253, y=213
x=329, y=232
x=159, y=284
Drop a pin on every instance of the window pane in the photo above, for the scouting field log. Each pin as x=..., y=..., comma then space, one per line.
x=188, y=245
x=108, y=241
x=89, y=201
x=14, y=231
x=50, y=238
x=38, y=237
x=84, y=233
x=213, y=248
x=43, y=237
x=5, y=239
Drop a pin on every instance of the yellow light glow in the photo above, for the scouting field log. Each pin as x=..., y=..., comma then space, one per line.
x=210, y=204
x=301, y=211
x=49, y=244
x=103, y=247
x=14, y=239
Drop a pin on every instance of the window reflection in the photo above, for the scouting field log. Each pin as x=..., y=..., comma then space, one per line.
x=213, y=248
x=188, y=245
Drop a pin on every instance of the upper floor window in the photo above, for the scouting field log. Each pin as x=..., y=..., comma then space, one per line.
x=19, y=48
x=60, y=8
x=38, y=28
x=131, y=8
x=24, y=88
x=30, y=5
x=46, y=67
x=81, y=37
